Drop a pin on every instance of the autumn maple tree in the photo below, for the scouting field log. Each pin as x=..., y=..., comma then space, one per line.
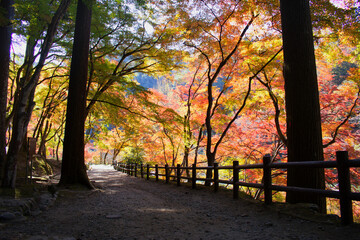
x=187, y=82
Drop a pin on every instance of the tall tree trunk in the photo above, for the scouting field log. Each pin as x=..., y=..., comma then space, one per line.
x=187, y=137
x=211, y=160
x=209, y=154
x=185, y=162
x=43, y=134
x=73, y=169
x=24, y=104
x=5, y=42
x=105, y=156
x=198, y=144
x=302, y=101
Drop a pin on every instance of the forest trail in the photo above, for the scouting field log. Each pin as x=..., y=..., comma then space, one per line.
x=126, y=207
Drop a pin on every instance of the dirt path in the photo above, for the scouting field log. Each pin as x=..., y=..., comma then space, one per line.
x=133, y=208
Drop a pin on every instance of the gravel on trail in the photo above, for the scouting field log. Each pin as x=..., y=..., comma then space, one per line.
x=126, y=207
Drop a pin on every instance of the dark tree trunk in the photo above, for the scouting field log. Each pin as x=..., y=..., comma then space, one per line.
x=185, y=162
x=198, y=144
x=115, y=154
x=73, y=170
x=5, y=42
x=211, y=160
x=210, y=155
x=105, y=156
x=44, y=133
x=302, y=101
x=24, y=102
x=187, y=136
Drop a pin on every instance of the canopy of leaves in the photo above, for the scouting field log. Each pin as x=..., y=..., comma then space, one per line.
x=185, y=48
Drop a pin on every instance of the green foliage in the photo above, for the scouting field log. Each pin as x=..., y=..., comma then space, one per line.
x=340, y=72
x=32, y=19
x=41, y=167
x=133, y=155
x=144, y=124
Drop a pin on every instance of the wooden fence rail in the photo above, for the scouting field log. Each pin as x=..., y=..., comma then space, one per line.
x=342, y=163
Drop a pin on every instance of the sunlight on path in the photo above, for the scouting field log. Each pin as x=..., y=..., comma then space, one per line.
x=100, y=167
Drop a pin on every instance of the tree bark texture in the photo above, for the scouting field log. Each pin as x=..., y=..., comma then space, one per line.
x=5, y=42
x=73, y=170
x=302, y=101
x=210, y=155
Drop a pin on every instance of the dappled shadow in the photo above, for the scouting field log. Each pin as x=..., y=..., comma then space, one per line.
x=126, y=207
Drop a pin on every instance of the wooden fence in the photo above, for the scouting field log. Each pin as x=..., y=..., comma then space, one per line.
x=342, y=163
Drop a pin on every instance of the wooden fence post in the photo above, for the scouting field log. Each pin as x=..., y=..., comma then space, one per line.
x=147, y=172
x=142, y=170
x=216, y=177
x=267, y=179
x=135, y=170
x=235, y=180
x=128, y=169
x=157, y=172
x=167, y=177
x=342, y=160
x=178, y=174
x=193, y=180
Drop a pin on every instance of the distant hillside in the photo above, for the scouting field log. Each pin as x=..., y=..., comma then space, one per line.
x=161, y=84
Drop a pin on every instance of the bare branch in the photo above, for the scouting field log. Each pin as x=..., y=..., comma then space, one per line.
x=124, y=108
x=334, y=135
x=244, y=101
x=224, y=88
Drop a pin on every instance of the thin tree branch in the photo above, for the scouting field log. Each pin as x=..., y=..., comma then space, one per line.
x=334, y=135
